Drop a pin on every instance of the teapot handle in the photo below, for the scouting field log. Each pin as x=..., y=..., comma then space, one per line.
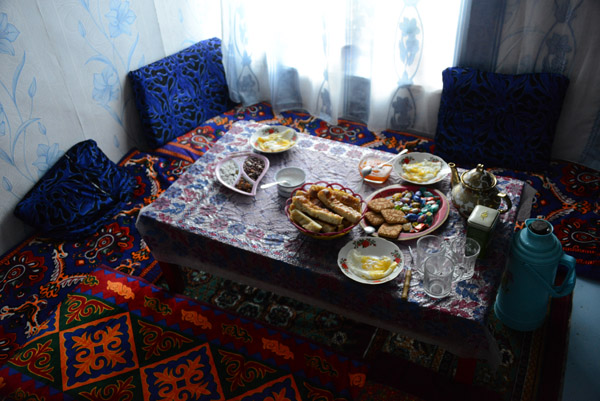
x=507, y=200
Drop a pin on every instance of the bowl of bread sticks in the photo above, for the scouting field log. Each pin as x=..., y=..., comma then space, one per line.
x=324, y=210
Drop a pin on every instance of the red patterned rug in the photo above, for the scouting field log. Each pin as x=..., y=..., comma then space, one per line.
x=118, y=337
x=38, y=274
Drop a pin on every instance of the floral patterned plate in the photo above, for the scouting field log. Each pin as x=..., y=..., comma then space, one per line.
x=428, y=162
x=369, y=246
x=283, y=138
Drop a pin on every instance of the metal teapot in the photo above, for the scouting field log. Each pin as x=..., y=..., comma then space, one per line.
x=476, y=187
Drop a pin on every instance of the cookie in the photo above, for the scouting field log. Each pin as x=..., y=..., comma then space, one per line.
x=378, y=204
x=374, y=219
x=394, y=216
x=389, y=230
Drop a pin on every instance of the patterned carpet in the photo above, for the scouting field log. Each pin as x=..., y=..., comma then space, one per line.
x=121, y=338
x=531, y=365
x=38, y=274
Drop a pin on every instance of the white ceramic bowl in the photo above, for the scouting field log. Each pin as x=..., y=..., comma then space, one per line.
x=290, y=134
x=418, y=157
x=295, y=177
x=370, y=246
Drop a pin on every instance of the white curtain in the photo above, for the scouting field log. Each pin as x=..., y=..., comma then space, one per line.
x=560, y=36
x=377, y=62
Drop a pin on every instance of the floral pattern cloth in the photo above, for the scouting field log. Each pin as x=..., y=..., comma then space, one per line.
x=200, y=223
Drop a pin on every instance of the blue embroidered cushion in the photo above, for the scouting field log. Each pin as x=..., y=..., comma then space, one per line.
x=179, y=92
x=77, y=195
x=499, y=120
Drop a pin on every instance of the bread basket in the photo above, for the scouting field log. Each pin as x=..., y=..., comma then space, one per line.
x=330, y=235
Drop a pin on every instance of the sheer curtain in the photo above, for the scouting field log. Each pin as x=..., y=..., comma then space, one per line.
x=377, y=62
x=560, y=36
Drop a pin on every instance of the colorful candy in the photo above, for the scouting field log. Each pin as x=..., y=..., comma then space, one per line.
x=419, y=206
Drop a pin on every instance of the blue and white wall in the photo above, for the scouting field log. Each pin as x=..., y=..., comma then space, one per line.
x=63, y=66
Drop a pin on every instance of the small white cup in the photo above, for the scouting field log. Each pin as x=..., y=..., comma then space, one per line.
x=295, y=178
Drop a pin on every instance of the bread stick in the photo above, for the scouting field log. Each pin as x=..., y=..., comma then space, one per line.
x=328, y=198
x=305, y=221
x=304, y=205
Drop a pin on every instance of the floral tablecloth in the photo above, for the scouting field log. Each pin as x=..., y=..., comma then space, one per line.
x=200, y=223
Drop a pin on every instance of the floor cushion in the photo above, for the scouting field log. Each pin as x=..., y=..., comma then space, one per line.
x=500, y=120
x=77, y=195
x=179, y=92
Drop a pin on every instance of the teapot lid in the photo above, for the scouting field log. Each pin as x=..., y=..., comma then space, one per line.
x=478, y=178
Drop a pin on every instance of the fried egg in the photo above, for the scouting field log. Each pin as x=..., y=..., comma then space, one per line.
x=370, y=267
x=422, y=171
x=276, y=142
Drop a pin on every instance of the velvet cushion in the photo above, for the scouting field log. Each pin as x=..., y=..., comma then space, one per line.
x=179, y=92
x=499, y=120
x=77, y=195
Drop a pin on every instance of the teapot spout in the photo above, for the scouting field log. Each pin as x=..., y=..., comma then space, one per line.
x=454, y=179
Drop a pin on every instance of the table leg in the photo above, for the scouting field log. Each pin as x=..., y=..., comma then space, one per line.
x=173, y=276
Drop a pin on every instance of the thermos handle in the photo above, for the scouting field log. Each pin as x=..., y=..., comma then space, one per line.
x=568, y=284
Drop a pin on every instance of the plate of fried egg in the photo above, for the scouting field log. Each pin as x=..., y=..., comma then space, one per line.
x=421, y=168
x=274, y=139
x=371, y=260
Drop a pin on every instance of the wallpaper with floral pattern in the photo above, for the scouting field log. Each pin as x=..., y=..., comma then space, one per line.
x=63, y=66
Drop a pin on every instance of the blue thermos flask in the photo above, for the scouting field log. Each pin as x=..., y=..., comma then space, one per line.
x=528, y=281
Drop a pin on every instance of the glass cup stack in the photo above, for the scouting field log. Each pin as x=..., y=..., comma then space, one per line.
x=443, y=262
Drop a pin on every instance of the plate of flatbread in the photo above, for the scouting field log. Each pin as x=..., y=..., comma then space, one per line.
x=405, y=212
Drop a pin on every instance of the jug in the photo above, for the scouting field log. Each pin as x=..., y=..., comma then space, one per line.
x=476, y=187
x=527, y=284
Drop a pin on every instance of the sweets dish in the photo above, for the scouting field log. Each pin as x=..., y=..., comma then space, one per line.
x=242, y=171
x=421, y=168
x=370, y=260
x=405, y=212
x=273, y=139
x=324, y=210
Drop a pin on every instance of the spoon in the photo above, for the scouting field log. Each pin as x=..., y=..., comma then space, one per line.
x=367, y=170
x=269, y=185
x=369, y=230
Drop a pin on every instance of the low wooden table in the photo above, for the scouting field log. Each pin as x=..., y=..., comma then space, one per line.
x=201, y=224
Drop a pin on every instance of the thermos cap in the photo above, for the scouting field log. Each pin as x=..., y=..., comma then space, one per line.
x=540, y=227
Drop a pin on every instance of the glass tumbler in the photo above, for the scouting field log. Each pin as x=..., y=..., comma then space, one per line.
x=465, y=251
x=438, y=275
x=428, y=245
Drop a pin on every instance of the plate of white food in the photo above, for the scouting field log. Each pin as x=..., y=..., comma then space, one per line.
x=371, y=260
x=421, y=168
x=274, y=139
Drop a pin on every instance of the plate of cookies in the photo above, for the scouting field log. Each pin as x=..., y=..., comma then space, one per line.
x=324, y=210
x=405, y=212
